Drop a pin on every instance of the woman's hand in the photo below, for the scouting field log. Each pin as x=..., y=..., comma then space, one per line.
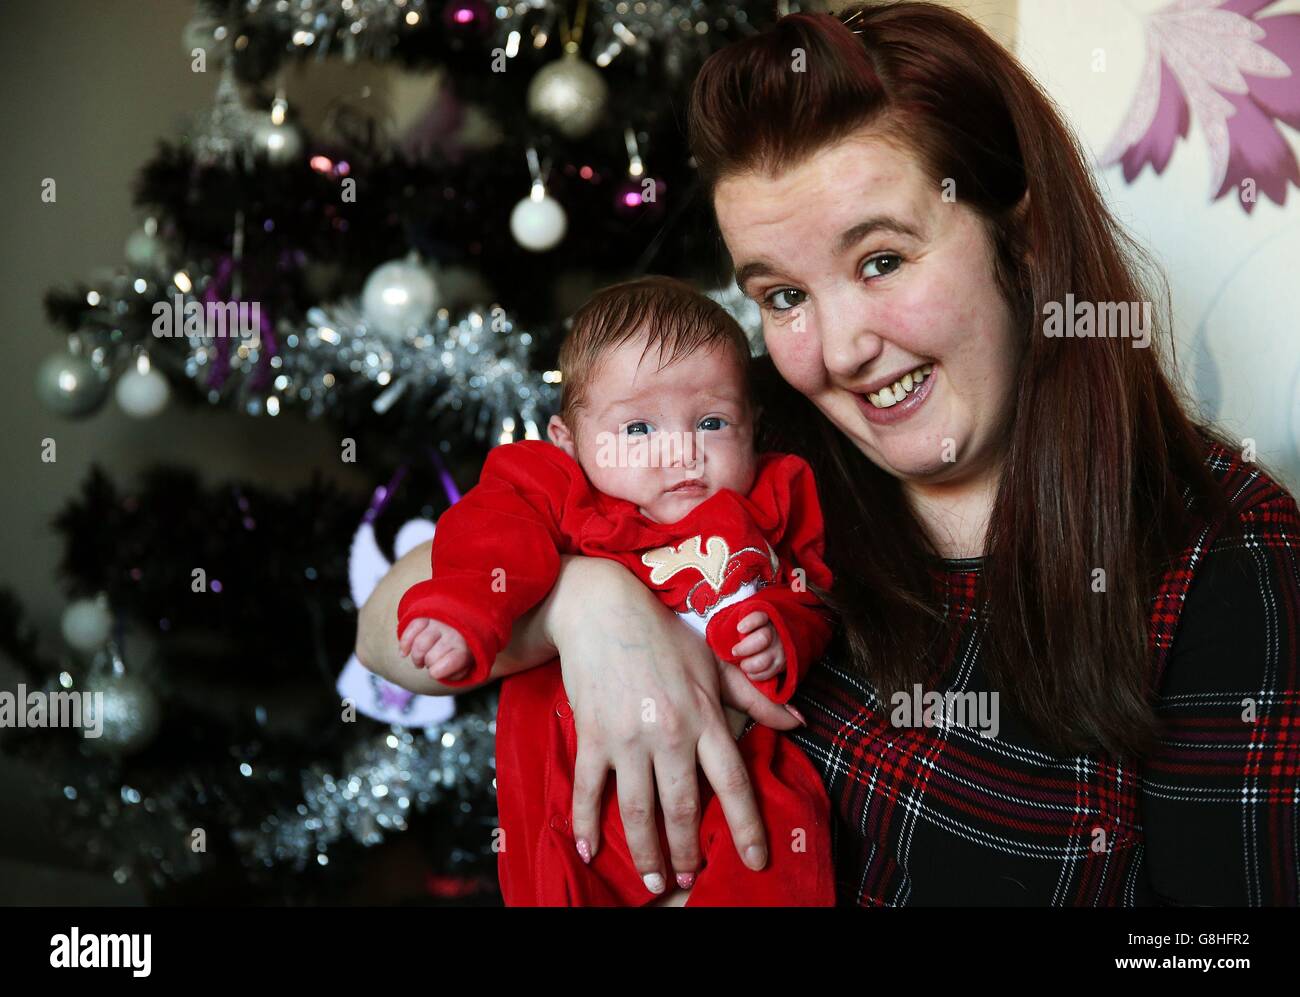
x=647, y=697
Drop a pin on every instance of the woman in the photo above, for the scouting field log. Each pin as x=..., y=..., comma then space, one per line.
x=1068, y=665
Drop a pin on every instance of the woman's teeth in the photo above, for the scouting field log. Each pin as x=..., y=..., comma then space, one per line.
x=896, y=392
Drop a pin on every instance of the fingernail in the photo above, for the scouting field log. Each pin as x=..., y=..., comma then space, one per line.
x=797, y=715
x=584, y=850
x=754, y=857
x=686, y=880
x=654, y=882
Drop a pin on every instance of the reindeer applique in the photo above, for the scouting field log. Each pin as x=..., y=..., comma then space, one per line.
x=717, y=566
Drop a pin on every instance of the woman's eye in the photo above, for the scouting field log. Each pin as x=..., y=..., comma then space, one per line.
x=713, y=423
x=637, y=428
x=792, y=299
x=881, y=265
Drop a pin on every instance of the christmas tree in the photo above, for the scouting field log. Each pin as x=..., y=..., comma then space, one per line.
x=406, y=290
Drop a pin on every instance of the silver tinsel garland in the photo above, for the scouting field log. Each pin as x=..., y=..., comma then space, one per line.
x=150, y=834
x=383, y=781
x=476, y=364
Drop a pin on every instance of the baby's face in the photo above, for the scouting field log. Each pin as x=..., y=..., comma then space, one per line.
x=664, y=439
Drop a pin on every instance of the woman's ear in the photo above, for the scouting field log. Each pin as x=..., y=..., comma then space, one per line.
x=558, y=433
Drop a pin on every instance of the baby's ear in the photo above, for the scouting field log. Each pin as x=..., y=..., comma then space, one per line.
x=558, y=433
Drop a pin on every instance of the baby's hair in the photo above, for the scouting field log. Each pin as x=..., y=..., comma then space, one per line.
x=663, y=310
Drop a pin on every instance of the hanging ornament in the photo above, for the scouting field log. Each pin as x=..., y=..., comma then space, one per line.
x=128, y=709
x=87, y=623
x=639, y=196
x=538, y=222
x=570, y=94
x=144, y=249
x=276, y=138
x=399, y=296
x=142, y=391
x=68, y=384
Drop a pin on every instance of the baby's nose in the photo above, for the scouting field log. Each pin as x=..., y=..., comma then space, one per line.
x=681, y=450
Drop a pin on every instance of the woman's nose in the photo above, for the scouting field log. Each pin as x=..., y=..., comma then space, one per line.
x=848, y=339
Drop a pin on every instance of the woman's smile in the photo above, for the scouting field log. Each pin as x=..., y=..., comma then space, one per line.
x=889, y=403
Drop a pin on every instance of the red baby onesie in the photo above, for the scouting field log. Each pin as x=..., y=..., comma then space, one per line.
x=496, y=554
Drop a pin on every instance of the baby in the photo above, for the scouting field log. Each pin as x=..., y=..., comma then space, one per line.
x=651, y=463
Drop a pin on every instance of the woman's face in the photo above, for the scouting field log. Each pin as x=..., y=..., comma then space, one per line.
x=868, y=279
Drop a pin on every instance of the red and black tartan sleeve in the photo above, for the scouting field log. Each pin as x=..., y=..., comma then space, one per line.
x=1220, y=796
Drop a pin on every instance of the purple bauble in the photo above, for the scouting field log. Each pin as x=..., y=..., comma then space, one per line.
x=638, y=198
x=467, y=17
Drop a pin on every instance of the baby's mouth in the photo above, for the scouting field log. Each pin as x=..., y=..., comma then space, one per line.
x=689, y=485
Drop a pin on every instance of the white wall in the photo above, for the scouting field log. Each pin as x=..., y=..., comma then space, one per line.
x=1235, y=277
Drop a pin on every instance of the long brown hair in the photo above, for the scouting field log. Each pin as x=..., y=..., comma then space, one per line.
x=1099, y=449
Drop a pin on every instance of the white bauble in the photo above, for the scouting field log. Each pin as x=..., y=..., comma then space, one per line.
x=570, y=95
x=400, y=295
x=537, y=223
x=142, y=393
x=87, y=624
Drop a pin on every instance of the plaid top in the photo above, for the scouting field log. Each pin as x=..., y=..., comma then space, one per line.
x=941, y=815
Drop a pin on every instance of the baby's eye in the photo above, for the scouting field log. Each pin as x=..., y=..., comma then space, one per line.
x=713, y=423
x=784, y=299
x=637, y=428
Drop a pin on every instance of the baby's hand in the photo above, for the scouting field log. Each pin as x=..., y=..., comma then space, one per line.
x=761, y=655
x=437, y=648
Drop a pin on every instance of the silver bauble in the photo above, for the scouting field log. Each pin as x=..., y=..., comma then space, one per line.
x=570, y=95
x=67, y=384
x=399, y=296
x=130, y=714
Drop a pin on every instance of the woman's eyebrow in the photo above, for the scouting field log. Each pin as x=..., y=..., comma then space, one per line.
x=849, y=238
x=748, y=271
